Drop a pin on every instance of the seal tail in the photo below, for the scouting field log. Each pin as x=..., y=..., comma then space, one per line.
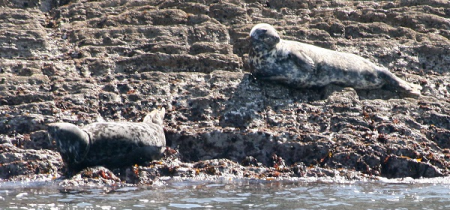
x=156, y=116
x=395, y=83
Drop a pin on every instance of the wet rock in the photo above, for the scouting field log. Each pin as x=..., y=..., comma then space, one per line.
x=28, y=162
x=395, y=167
x=96, y=176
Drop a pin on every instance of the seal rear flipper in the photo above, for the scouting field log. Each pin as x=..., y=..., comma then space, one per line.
x=156, y=116
x=72, y=142
x=396, y=84
x=409, y=89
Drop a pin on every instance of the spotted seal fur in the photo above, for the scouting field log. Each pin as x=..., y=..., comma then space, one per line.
x=111, y=144
x=300, y=65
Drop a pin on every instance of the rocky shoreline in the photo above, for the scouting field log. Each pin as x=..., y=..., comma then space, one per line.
x=87, y=61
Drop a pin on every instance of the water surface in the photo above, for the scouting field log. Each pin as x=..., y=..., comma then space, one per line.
x=241, y=194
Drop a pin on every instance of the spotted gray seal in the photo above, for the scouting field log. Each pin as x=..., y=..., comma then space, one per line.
x=111, y=144
x=302, y=65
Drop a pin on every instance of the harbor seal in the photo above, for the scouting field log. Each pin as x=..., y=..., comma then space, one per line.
x=300, y=65
x=111, y=144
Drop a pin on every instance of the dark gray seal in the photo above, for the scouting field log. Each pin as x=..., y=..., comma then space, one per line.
x=302, y=65
x=111, y=144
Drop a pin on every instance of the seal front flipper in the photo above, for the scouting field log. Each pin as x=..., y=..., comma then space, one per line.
x=303, y=61
x=299, y=75
x=71, y=141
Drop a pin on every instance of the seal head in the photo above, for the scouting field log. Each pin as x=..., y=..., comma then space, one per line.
x=271, y=59
x=72, y=142
x=264, y=36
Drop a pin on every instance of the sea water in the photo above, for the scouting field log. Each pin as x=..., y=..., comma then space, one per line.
x=235, y=194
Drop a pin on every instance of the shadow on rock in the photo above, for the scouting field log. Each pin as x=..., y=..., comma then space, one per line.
x=249, y=105
x=250, y=102
x=330, y=127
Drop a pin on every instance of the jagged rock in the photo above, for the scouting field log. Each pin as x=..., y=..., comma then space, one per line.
x=27, y=162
